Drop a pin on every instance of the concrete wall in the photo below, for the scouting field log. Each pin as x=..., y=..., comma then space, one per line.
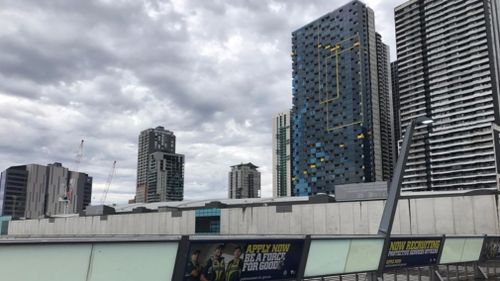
x=443, y=215
x=146, y=223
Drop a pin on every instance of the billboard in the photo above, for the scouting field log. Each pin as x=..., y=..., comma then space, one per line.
x=491, y=249
x=413, y=252
x=238, y=260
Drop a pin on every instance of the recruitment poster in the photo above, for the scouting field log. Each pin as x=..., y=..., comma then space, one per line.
x=491, y=249
x=237, y=260
x=412, y=252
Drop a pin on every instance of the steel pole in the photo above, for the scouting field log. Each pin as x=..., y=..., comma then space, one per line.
x=393, y=195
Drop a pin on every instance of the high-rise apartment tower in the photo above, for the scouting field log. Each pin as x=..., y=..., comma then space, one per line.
x=448, y=69
x=395, y=104
x=341, y=101
x=282, y=166
x=160, y=171
x=244, y=181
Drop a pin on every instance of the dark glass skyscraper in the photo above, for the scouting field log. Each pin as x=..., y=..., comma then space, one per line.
x=337, y=122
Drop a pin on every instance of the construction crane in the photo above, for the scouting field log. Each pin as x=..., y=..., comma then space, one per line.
x=79, y=156
x=108, y=183
x=68, y=193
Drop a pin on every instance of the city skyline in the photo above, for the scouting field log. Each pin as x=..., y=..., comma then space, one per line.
x=130, y=67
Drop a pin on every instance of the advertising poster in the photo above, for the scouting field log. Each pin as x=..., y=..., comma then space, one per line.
x=491, y=249
x=237, y=260
x=412, y=252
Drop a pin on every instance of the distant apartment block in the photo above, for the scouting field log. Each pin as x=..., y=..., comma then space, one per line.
x=282, y=166
x=34, y=191
x=160, y=171
x=342, y=121
x=244, y=181
x=395, y=103
x=448, y=69
x=388, y=145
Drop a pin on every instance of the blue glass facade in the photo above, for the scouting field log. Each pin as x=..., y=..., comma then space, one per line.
x=207, y=221
x=336, y=122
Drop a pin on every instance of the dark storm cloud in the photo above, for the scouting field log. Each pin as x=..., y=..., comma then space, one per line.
x=214, y=72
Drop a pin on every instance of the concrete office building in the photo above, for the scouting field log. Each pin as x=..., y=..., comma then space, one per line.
x=244, y=181
x=448, y=69
x=33, y=191
x=338, y=124
x=282, y=166
x=395, y=104
x=63, y=183
x=160, y=171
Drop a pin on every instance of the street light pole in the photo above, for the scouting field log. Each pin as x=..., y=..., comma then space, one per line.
x=393, y=195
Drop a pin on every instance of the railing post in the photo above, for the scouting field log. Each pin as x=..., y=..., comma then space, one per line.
x=303, y=260
x=180, y=261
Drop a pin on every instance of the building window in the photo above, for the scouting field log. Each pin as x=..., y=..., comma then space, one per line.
x=207, y=221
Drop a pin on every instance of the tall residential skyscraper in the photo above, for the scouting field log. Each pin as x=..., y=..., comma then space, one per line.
x=386, y=109
x=448, y=64
x=338, y=125
x=160, y=171
x=282, y=168
x=395, y=104
x=244, y=181
x=34, y=191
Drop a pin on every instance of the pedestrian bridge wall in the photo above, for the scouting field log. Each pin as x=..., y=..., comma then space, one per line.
x=417, y=216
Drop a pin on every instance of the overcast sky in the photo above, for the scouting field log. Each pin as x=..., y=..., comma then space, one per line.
x=214, y=72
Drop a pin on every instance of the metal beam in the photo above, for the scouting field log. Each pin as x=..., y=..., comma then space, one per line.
x=394, y=192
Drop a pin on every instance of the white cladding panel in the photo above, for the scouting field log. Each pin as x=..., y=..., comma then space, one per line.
x=441, y=215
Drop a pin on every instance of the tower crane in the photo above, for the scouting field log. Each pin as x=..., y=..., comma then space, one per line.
x=108, y=183
x=67, y=195
x=79, y=156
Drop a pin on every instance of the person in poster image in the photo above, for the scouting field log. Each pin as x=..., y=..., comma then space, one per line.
x=215, y=267
x=193, y=267
x=234, y=267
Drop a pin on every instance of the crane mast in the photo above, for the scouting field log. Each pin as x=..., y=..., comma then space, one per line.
x=68, y=194
x=108, y=183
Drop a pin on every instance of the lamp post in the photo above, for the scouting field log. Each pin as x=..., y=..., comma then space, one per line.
x=393, y=195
